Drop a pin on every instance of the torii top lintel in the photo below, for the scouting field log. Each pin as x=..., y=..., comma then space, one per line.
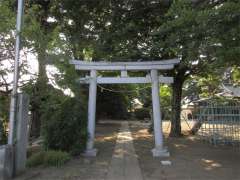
x=111, y=66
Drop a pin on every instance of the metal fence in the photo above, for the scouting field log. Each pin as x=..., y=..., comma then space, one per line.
x=220, y=124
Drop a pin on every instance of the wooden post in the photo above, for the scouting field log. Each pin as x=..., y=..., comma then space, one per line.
x=91, y=151
x=159, y=150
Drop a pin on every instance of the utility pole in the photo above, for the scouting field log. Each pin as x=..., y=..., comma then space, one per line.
x=13, y=105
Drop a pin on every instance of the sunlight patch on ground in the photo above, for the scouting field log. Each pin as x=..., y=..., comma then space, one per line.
x=106, y=138
x=180, y=145
x=142, y=133
x=210, y=164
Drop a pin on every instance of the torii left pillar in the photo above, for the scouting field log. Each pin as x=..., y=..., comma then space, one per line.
x=90, y=150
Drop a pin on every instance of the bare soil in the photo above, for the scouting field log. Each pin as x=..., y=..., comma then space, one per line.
x=191, y=158
x=82, y=168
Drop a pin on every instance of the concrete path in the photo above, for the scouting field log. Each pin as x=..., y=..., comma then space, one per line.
x=124, y=164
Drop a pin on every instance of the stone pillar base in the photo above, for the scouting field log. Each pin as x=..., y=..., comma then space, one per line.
x=6, y=162
x=160, y=152
x=90, y=153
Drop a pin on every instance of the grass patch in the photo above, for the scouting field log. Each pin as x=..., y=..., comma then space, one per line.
x=48, y=158
x=36, y=159
x=56, y=158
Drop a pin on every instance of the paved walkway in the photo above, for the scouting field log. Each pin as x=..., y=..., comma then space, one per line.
x=124, y=164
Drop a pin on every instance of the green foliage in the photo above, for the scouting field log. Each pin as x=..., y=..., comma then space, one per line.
x=165, y=100
x=7, y=25
x=48, y=158
x=3, y=132
x=56, y=158
x=63, y=119
x=113, y=105
x=110, y=30
x=220, y=101
x=144, y=95
x=64, y=124
x=7, y=17
x=205, y=37
x=236, y=75
x=202, y=86
x=166, y=94
x=36, y=159
x=142, y=113
x=209, y=85
x=33, y=150
x=225, y=27
x=4, y=109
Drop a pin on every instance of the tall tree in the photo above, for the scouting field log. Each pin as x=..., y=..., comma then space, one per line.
x=200, y=35
x=38, y=35
x=110, y=30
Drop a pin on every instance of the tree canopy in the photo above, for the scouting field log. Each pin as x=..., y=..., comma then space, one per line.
x=205, y=35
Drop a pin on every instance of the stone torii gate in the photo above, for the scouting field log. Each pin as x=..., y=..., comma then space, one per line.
x=151, y=66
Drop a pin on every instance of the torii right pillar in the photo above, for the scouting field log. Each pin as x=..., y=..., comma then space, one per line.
x=159, y=150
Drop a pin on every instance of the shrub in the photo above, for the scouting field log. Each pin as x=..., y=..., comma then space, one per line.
x=33, y=150
x=4, y=112
x=3, y=133
x=142, y=113
x=112, y=105
x=36, y=159
x=48, y=158
x=65, y=126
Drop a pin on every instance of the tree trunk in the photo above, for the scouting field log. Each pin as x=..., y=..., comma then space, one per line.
x=176, y=105
x=38, y=96
x=195, y=128
x=41, y=89
x=35, y=123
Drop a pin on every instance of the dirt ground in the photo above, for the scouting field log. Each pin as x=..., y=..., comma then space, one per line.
x=191, y=158
x=81, y=168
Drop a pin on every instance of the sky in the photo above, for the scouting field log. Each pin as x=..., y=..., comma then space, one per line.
x=32, y=63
